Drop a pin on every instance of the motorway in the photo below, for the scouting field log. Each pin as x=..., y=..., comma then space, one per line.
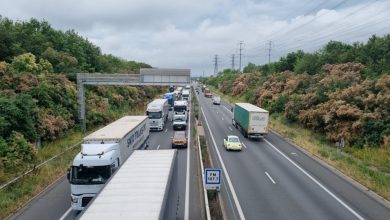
x=54, y=202
x=272, y=179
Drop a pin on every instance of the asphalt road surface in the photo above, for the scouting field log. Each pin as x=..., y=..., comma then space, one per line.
x=272, y=179
x=54, y=202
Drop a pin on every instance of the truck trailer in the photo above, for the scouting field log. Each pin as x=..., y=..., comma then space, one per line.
x=139, y=190
x=186, y=94
x=102, y=153
x=170, y=96
x=157, y=111
x=251, y=120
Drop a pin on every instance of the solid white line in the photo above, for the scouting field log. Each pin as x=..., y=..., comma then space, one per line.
x=235, y=198
x=317, y=182
x=158, y=147
x=228, y=109
x=186, y=201
x=269, y=176
x=243, y=145
x=66, y=213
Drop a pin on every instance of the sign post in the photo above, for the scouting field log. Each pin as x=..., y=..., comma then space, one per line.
x=213, y=178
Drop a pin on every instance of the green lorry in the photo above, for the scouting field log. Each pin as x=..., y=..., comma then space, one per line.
x=251, y=120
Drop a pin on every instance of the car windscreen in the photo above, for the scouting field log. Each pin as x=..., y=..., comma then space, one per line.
x=179, y=119
x=234, y=139
x=180, y=135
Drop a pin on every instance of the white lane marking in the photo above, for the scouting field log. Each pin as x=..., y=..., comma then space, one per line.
x=269, y=176
x=317, y=182
x=217, y=113
x=230, y=128
x=223, y=119
x=228, y=109
x=166, y=130
x=235, y=198
x=187, y=199
x=158, y=147
x=66, y=213
x=243, y=145
x=293, y=153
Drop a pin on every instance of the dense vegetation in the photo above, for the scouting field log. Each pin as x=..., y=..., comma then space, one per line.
x=66, y=51
x=374, y=55
x=342, y=91
x=38, y=96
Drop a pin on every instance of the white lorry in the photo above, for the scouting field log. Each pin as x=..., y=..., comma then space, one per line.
x=139, y=190
x=158, y=111
x=186, y=94
x=102, y=153
x=180, y=116
x=180, y=89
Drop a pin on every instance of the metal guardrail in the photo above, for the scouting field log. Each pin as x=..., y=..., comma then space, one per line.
x=206, y=199
x=38, y=166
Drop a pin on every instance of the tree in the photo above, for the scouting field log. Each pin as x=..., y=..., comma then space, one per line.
x=309, y=63
x=18, y=113
x=250, y=68
x=25, y=63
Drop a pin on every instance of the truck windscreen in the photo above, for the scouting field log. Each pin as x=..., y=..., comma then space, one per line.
x=83, y=175
x=180, y=108
x=154, y=115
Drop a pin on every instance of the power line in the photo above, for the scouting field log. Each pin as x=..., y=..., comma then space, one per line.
x=232, y=61
x=269, y=52
x=311, y=20
x=239, y=67
x=326, y=28
x=215, y=64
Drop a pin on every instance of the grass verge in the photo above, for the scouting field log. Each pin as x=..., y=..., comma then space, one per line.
x=16, y=195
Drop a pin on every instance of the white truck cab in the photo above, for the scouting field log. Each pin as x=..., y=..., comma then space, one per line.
x=158, y=111
x=102, y=153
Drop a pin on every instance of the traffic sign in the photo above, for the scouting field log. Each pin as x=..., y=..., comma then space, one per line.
x=213, y=178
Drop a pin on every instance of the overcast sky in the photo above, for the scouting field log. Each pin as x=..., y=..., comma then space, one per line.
x=188, y=33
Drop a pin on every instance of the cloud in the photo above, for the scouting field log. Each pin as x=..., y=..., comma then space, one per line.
x=187, y=34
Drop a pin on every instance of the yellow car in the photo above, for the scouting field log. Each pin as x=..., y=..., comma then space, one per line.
x=232, y=142
x=179, y=139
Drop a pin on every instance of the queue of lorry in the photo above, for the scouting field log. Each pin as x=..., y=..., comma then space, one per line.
x=113, y=158
x=105, y=150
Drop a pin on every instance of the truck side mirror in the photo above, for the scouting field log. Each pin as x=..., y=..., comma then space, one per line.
x=68, y=174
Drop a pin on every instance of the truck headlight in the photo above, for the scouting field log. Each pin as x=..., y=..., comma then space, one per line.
x=73, y=199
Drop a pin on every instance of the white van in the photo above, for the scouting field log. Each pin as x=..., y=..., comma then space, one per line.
x=216, y=100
